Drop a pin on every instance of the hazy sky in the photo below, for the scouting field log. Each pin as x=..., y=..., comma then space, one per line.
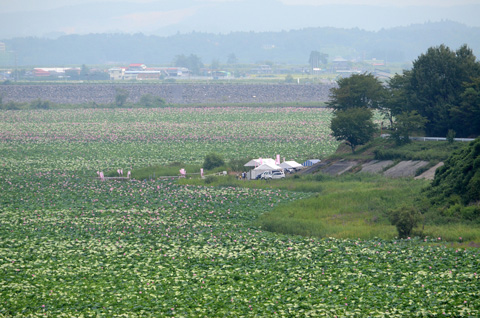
x=23, y=5
x=165, y=17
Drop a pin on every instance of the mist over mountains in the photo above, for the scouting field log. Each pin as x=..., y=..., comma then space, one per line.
x=399, y=44
x=53, y=18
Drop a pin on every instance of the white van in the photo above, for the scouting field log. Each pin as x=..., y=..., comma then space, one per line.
x=276, y=174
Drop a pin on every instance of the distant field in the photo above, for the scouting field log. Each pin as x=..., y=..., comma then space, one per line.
x=99, y=139
x=181, y=93
x=72, y=245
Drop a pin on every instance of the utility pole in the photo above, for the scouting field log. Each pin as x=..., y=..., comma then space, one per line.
x=16, y=71
x=15, y=64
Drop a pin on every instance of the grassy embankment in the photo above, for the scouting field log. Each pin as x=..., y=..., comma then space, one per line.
x=357, y=205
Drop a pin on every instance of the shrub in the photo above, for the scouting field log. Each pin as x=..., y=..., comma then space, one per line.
x=405, y=219
x=451, y=136
x=210, y=179
x=121, y=97
x=289, y=79
x=40, y=104
x=148, y=100
x=11, y=106
x=212, y=161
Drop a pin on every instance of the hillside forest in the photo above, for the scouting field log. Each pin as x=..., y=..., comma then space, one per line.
x=292, y=47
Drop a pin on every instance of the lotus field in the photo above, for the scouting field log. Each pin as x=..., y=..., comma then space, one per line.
x=88, y=140
x=74, y=246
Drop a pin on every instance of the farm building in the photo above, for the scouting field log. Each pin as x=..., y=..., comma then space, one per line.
x=117, y=73
x=139, y=71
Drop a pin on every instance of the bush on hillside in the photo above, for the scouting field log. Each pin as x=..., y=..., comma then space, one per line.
x=458, y=182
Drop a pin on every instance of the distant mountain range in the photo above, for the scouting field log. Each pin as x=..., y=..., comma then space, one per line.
x=53, y=18
x=400, y=44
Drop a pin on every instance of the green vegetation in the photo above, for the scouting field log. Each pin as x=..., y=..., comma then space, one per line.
x=405, y=219
x=439, y=94
x=154, y=172
x=350, y=206
x=73, y=245
x=443, y=88
x=354, y=125
x=306, y=245
x=353, y=102
x=121, y=97
x=455, y=191
x=149, y=101
x=357, y=91
x=384, y=149
x=212, y=161
x=295, y=184
x=401, y=45
x=405, y=124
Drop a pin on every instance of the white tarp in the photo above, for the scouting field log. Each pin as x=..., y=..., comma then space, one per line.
x=290, y=165
x=311, y=162
x=258, y=162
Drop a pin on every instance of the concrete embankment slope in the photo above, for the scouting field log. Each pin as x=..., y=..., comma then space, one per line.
x=385, y=167
x=187, y=94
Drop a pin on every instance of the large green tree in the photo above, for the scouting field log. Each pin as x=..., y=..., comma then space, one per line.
x=435, y=89
x=396, y=101
x=467, y=114
x=406, y=123
x=358, y=90
x=354, y=126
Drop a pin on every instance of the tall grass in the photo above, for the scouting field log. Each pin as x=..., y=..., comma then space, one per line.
x=434, y=151
x=456, y=232
x=385, y=149
x=354, y=206
x=303, y=184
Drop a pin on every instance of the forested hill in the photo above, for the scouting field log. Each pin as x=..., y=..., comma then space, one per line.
x=402, y=44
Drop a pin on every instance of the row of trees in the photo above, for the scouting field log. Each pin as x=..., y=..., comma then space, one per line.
x=440, y=94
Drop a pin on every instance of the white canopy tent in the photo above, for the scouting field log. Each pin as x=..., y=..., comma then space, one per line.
x=258, y=162
x=291, y=165
x=262, y=168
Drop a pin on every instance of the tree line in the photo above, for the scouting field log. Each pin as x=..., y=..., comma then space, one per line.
x=440, y=95
x=291, y=47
